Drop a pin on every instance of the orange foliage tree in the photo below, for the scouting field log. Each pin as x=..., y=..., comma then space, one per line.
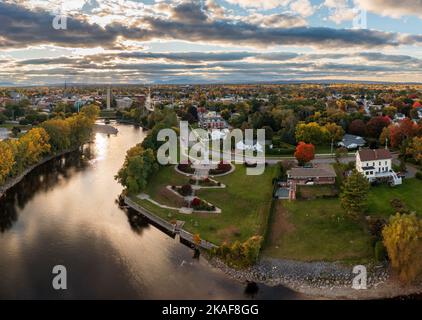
x=305, y=152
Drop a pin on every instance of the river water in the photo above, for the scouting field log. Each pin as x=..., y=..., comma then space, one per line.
x=65, y=213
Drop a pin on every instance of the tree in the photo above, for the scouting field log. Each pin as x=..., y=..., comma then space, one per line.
x=140, y=164
x=399, y=133
x=304, y=153
x=7, y=160
x=33, y=146
x=334, y=131
x=311, y=133
x=80, y=129
x=91, y=112
x=59, y=133
x=402, y=238
x=357, y=127
x=414, y=150
x=376, y=125
x=354, y=193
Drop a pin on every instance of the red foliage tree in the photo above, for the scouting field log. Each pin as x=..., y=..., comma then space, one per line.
x=357, y=127
x=404, y=130
x=376, y=125
x=305, y=152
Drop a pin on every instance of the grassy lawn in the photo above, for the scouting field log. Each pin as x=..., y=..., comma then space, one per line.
x=245, y=204
x=324, y=149
x=410, y=192
x=319, y=229
x=317, y=191
x=316, y=230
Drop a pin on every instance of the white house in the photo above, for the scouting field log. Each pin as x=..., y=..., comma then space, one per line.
x=375, y=164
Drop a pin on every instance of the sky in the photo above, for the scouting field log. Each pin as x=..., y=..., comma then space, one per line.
x=209, y=41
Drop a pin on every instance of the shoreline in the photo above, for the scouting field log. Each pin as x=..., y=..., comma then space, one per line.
x=320, y=280
x=13, y=181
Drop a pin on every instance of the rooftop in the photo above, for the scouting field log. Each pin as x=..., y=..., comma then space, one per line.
x=320, y=171
x=375, y=154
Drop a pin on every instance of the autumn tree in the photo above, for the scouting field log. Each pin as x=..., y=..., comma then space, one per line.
x=311, y=133
x=91, y=112
x=304, y=152
x=354, y=193
x=334, y=131
x=357, y=127
x=376, y=125
x=402, y=238
x=414, y=150
x=59, y=133
x=7, y=160
x=31, y=147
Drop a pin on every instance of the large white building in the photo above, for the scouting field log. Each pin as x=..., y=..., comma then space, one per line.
x=376, y=164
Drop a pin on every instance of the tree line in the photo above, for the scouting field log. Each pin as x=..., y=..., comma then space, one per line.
x=49, y=138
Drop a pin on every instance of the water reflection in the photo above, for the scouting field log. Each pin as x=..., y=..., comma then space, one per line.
x=41, y=180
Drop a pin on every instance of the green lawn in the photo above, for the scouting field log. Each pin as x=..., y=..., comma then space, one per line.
x=245, y=204
x=319, y=229
x=410, y=192
x=317, y=191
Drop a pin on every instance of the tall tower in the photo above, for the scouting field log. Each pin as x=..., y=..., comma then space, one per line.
x=109, y=98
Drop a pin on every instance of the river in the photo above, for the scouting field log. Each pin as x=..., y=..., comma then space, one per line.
x=65, y=213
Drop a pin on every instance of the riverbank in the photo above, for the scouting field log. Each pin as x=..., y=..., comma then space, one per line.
x=320, y=279
x=11, y=182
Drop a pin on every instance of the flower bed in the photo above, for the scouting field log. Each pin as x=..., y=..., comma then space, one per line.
x=201, y=205
x=186, y=168
x=184, y=191
x=221, y=168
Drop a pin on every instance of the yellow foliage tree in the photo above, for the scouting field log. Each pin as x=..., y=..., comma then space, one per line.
x=402, y=238
x=31, y=147
x=7, y=160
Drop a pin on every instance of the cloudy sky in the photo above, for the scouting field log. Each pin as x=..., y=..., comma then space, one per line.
x=209, y=41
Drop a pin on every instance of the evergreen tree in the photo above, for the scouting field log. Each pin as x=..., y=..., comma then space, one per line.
x=354, y=193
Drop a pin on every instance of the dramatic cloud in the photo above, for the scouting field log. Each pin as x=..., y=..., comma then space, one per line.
x=21, y=27
x=393, y=8
x=339, y=10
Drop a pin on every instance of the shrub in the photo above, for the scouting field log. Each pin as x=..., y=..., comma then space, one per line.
x=419, y=175
x=186, y=190
x=186, y=168
x=240, y=254
x=196, y=202
x=399, y=206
